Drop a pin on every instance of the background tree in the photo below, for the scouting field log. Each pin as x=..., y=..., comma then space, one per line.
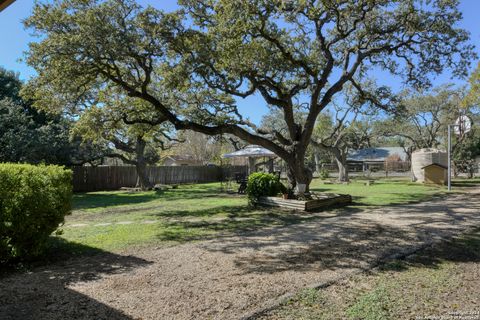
x=466, y=146
x=344, y=130
x=135, y=144
x=10, y=85
x=464, y=143
x=473, y=96
x=423, y=121
x=201, y=148
x=30, y=135
x=466, y=153
x=289, y=52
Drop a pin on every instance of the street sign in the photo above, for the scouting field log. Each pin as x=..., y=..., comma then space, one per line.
x=462, y=125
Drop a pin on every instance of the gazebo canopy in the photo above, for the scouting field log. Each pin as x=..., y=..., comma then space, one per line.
x=251, y=151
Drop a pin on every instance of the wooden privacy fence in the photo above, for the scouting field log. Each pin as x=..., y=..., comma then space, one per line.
x=87, y=179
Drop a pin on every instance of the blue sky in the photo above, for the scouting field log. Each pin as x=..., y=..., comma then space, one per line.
x=14, y=41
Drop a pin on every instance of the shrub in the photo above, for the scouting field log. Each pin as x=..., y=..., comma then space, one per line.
x=263, y=184
x=324, y=174
x=33, y=202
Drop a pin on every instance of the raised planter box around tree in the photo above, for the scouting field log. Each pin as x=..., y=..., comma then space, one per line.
x=321, y=201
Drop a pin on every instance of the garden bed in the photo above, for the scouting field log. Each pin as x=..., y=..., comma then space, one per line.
x=320, y=201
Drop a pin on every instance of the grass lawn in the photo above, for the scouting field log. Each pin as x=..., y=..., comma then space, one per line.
x=383, y=192
x=436, y=282
x=114, y=221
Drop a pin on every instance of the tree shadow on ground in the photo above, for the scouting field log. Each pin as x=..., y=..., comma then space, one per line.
x=229, y=211
x=465, y=248
x=466, y=183
x=402, y=199
x=84, y=201
x=189, y=192
x=237, y=220
x=227, y=221
x=390, y=199
x=350, y=241
x=43, y=292
x=94, y=200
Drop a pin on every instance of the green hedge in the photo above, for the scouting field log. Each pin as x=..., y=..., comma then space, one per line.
x=263, y=184
x=33, y=203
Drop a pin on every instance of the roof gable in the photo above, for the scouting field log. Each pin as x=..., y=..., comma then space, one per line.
x=435, y=165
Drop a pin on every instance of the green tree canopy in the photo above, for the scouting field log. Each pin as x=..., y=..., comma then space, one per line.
x=473, y=97
x=347, y=127
x=106, y=125
x=10, y=85
x=191, y=64
x=467, y=152
x=33, y=136
x=425, y=116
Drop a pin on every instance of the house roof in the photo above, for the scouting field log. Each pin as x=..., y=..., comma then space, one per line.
x=376, y=154
x=435, y=165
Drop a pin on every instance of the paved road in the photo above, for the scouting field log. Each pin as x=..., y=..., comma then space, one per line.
x=231, y=277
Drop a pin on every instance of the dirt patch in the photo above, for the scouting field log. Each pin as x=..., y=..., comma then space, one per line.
x=230, y=277
x=440, y=281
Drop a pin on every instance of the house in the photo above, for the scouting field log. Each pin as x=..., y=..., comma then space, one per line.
x=375, y=158
x=182, y=160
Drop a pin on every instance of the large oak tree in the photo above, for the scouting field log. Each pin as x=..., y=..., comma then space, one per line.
x=189, y=65
x=134, y=144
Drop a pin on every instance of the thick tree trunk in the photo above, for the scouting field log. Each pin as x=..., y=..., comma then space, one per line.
x=454, y=169
x=142, y=176
x=471, y=171
x=341, y=159
x=318, y=165
x=299, y=176
x=342, y=171
x=141, y=165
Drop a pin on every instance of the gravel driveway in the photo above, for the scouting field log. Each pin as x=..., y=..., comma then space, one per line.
x=231, y=277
